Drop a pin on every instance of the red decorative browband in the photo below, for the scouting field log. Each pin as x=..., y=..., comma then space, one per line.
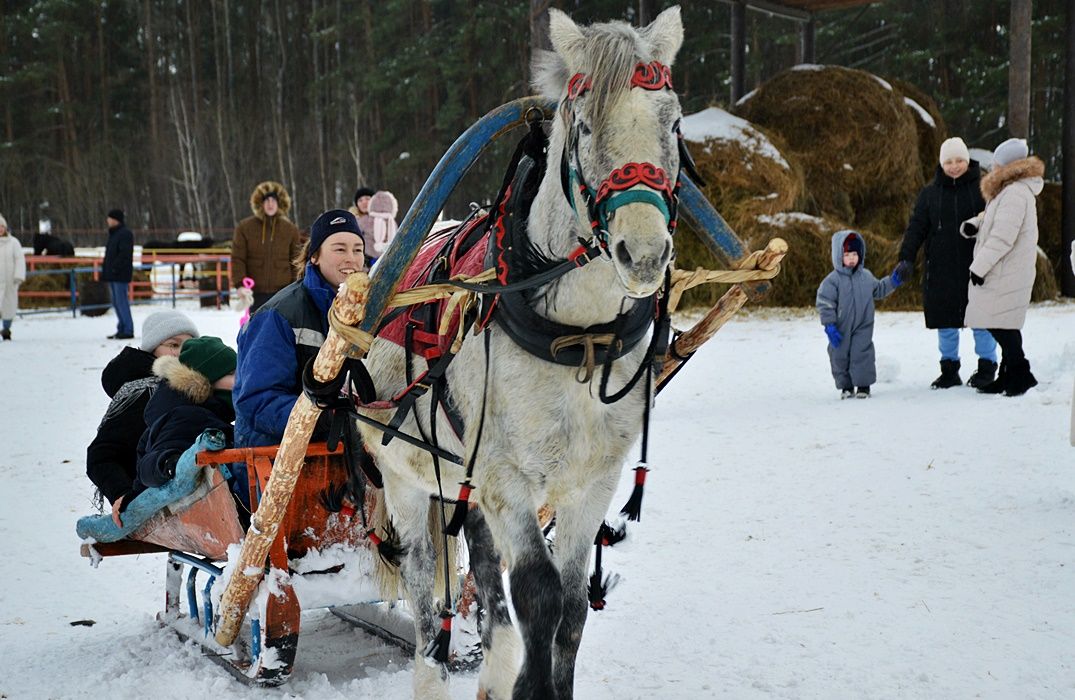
x=633, y=174
x=648, y=76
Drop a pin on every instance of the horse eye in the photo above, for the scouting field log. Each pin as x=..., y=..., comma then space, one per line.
x=584, y=128
x=675, y=126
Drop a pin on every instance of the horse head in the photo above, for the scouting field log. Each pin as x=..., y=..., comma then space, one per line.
x=618, y=138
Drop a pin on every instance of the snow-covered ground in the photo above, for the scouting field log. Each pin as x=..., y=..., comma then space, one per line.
x=918, y=544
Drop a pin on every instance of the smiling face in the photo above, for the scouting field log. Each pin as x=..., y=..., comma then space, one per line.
x=339, y=255
x=954, y=167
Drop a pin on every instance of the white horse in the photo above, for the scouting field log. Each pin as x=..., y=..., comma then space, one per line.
x=546, y=436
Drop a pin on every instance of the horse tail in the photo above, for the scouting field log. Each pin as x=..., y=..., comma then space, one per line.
x=433, y=527
x=385, y=574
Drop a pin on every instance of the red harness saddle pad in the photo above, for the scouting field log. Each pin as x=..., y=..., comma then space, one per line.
x=442, y=251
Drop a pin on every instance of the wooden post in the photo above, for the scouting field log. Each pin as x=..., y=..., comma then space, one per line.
x=1067, y=235
x=1019, y=69
x=807, y=34
x=349, y=306
x=739, y=49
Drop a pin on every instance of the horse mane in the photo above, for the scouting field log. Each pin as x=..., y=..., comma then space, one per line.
x=607, y=54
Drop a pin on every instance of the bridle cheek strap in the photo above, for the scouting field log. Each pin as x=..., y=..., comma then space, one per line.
x=633, y=183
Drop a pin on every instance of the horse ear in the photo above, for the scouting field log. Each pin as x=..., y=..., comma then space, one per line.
x=665, y=35
x=565, y=35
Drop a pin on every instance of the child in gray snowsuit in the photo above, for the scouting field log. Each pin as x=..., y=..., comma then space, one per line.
x=845, y=302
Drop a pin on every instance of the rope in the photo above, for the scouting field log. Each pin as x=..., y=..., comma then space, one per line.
x=747, y=270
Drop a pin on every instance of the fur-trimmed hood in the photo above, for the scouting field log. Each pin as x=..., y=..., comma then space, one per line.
x=1031, y=168
x=264, y=188
x=183, y=379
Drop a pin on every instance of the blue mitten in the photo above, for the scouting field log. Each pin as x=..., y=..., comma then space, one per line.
x=901, y=273
x=187, y=476
x=834, y=335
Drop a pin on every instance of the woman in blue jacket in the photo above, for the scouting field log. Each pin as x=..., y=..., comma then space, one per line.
x=285, y=333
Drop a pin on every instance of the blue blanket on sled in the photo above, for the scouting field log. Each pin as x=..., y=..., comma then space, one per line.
x=187, y=477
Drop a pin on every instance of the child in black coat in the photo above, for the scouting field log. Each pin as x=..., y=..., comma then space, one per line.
x=194, y=396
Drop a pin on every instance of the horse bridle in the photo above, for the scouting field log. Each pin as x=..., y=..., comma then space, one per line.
x=631, y=183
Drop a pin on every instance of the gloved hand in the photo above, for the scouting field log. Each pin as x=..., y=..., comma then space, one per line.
x=976, y=280
x=834, y=335
x=969, y=228
x=901, y=273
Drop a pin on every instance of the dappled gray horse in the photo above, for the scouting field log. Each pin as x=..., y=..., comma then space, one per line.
x=546, y=436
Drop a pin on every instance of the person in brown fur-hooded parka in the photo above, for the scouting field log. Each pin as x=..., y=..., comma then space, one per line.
x=264, y=244
x=1005, y=252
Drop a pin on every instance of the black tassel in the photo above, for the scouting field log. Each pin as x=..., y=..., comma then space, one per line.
x=633, y=508
x=390, y=548
x=462, y=505
x=439, y=646
x=608, y=536
x=600, y=587
x=331, y=497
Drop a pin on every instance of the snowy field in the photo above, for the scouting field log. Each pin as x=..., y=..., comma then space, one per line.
x=918, y=544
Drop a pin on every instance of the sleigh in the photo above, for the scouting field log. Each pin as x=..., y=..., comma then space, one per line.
x=254, y=629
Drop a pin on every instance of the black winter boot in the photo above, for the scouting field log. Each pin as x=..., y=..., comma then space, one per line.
x=1019, y=379
x=998, y=385
x=949, y=375
x=5, y=334
x=986, y=372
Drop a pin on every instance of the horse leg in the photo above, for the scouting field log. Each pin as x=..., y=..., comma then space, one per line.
x=577, y=524
x=500, y=642
x=418, y=568
x=535, y=590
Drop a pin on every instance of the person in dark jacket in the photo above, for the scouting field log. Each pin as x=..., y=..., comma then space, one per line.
x=287, y=332
x=845, y=303
x=117, y=270
x=952, y=198
x=194, y=395
x=129, y=381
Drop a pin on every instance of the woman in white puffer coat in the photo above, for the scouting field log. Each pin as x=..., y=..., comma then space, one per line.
x=12, y=274
x=1005, y=252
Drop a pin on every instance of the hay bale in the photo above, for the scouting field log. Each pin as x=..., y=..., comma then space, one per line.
x=1046, y=287
x=1050, y=233
x=852, y=133
x=745, y=173
x=932, y=131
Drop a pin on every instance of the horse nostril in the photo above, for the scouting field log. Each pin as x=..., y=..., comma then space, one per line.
x=623, y=256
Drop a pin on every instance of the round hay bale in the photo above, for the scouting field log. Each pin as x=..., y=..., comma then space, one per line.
x=932, y=131
x=44, y=283
x=1050, y=233
x=1046, y=287
x=745, y=173
x=852, y=133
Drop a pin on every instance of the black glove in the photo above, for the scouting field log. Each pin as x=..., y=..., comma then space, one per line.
x=167, y=465
x=976, y=280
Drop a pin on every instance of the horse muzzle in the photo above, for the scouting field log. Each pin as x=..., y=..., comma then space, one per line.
x=641, y=260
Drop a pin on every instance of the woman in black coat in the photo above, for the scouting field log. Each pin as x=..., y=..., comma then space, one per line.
x=953, y=197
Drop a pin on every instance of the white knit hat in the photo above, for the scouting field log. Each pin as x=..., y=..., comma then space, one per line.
x=1010, y=151
x=162, y=325
x=954, y=148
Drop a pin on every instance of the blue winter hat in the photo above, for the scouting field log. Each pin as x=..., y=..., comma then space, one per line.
x=332, y=221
